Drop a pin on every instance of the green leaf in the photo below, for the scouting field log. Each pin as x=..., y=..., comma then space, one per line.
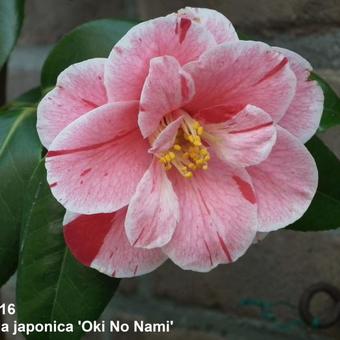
x=20, y=152
x=11, y=17
x=324, y=212
x=90, y=40
x=51, y=284
x=331, y=111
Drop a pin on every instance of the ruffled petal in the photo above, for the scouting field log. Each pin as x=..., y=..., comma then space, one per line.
x=166, y=89
x=245, y=139
x=80, y=89
x=304, y=113
x=216, y=23
x=99, y=241
x=242, y=73
x=95, y=164
x=153, y=211
x=128, y=63
x=285, y=183
x=218, y=217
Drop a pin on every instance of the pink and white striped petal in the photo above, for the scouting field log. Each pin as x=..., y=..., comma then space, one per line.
x=241, y=73
x=153, y=211
x=128, y=63
x=216, y=23
x=99, y=241
x=304, y=113
x=166, y=89
x=218, y=217
x=79, y=89
x=285, y=183
x=95, y=164
x=245, y=139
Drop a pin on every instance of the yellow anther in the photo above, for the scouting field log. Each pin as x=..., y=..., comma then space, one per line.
x=177, y=147
x=163, y=160
x=200, y=130
x=184, y=168
x=172, y=155
x=207, y=157
x=196, y=125
x=192, y=166
x=188, y=174
x=168, y=158
x=168, y=166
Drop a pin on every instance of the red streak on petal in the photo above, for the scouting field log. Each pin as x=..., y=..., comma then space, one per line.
x=53, y=184
x=224, y=248
x=54, y=153
x=184, y=87
x=275, y=70
x=85, y=235
x=254, y=128
x=203, y=201
x=138, y=238
x=246, y=189
x=119, y=50
x=85, y=172
x=206, y=246
x=219, y=113
x=114, y=273
x=184, y=26
x=89, y=103
x=135, y=271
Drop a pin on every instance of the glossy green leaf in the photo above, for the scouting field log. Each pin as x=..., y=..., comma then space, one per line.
x=20, y=151
x=331, y=111
x=324, y=212
x=51, y=284
x=11, y=17
x=90, y=40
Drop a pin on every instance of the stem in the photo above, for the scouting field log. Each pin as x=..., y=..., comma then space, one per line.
x=3, y=77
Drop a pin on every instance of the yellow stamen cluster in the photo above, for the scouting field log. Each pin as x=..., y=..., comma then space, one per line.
x=188, y=153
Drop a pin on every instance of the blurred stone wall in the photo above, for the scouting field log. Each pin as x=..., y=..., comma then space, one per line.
x=277, y=270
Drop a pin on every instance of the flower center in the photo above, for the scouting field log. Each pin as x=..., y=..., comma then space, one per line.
x=188, y=153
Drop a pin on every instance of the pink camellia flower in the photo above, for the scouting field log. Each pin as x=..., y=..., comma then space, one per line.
x=183, y=144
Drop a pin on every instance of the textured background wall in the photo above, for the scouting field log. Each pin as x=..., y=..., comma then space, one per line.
x=208, y=306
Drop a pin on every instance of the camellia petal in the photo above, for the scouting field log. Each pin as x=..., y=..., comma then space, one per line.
x=245, y=139
x=241, y=73
x=304, y=113
x=128, y=63
x=216, y=23
x=95, y=164
x=285, y=183
x=166, y=89
x=153, y=211
x=166, y=137
x=99, y=241
x=218, y=217
x=80, y=89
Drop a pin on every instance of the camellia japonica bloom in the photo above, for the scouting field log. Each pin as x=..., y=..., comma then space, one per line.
x=183, y=144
